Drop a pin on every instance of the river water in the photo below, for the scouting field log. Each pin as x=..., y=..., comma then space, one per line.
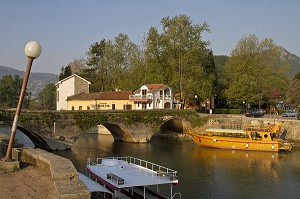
x=203, y=172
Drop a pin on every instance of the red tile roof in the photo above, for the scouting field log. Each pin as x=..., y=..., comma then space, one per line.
x=153, y=87
x=84, y=96
x=115, y=95
x=109, y=95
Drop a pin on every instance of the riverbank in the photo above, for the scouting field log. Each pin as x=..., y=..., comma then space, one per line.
x=29, y=182
x=40, y=174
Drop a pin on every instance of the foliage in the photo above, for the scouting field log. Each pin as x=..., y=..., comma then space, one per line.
x=293, y=93
x=84, y=120
x=65, y=72
x=297, y=76
x=254, y=70
x=198, y=121
x=180, y=58
x=47, y=98
x=227, y=111
x=10, y=87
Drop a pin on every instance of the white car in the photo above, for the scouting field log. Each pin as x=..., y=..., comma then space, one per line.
x=290, y=113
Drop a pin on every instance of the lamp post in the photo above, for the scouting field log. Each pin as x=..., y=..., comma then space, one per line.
x=32, y=50
x=196, y=99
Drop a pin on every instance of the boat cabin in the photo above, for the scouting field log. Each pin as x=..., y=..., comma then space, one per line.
x=253, y=134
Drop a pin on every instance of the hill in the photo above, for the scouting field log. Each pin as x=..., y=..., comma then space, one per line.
x=36, y=81
x=292, y=59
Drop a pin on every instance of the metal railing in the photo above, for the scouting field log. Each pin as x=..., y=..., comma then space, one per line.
x=142, y=163
x=140, y=97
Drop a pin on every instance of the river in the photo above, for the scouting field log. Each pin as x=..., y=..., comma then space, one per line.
x=203, y=172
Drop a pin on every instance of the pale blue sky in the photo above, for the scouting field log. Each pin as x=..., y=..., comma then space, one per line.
x=66, y=28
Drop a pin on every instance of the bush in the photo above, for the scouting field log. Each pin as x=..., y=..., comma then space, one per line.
x=227, y=111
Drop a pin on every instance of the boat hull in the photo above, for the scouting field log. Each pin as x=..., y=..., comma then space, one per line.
x=235, y=143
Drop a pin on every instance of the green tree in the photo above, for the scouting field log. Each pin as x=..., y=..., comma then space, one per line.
x=96, y=70
x=292, y=94
x=78, y=65
x=113, y=64
x=297, y=76
x=253, y=70
x=47, y=98
x=10, y=87
x=65, y=72
x=180, y=58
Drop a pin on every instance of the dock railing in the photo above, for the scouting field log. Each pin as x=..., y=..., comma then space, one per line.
x=142, y=163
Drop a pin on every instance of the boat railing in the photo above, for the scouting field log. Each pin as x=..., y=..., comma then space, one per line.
x=177, y=194
x=90, y=163
x=142, y=163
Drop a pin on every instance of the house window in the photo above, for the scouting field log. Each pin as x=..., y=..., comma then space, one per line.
x=87, y=108
x=144, y=92
x=72, y=108
x=57, y=95
x=144, y=106
x=149, y=104
x=80, y=108
x=113, y=107
x=138, y=104
x=127, y=107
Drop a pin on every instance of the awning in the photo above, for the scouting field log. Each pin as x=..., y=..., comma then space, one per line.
x=92, y=185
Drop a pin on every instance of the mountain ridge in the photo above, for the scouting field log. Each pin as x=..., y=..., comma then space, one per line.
x=36, y=82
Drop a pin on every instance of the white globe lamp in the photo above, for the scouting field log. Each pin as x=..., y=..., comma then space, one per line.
x=33, y=49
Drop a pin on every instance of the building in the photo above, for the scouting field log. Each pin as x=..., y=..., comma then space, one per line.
x=152, y=96
x=73, y=94
x=69, y=86
x=111, y=100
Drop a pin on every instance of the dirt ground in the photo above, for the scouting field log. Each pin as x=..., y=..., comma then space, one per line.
x=29, y=182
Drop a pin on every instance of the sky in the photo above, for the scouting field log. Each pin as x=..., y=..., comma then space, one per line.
x=66, y=28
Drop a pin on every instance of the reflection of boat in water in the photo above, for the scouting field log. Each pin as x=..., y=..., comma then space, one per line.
x=128, y=177
x=208, y=152
x=251, y=138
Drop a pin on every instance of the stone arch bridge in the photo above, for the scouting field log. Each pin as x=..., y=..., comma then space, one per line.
x=59, y=130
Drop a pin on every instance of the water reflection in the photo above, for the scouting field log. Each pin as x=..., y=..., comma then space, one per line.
x=20, y=137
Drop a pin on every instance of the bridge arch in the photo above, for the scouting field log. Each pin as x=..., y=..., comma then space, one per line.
x=36, y=139
x=172, y=124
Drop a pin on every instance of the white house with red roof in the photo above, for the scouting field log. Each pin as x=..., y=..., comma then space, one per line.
x=152, y=96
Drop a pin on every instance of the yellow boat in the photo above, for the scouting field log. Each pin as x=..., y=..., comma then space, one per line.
x=251, y=138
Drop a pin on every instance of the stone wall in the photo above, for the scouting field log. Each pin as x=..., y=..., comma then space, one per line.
x=292, y=126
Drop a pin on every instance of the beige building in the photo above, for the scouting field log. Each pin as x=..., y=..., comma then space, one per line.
x=112, y=100
x=69, y=86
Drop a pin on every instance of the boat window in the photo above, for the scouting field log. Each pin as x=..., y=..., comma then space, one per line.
x=255, y=135
x=227, y=134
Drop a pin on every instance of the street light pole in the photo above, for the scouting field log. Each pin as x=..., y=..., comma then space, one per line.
x=32, y=50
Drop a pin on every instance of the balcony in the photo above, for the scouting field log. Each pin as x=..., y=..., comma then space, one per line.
x=141, y=98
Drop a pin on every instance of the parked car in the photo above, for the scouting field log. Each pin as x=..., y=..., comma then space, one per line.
x=255, y=114
x=290, y=113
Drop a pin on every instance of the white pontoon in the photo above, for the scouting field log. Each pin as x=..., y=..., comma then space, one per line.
x=129, y=177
